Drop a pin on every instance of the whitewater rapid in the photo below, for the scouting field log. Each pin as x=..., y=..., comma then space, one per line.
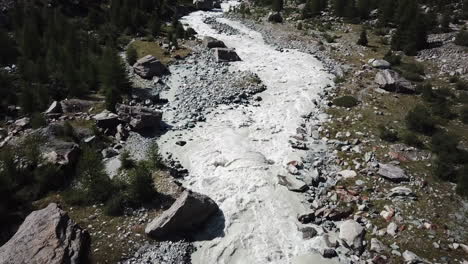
x=235, y=156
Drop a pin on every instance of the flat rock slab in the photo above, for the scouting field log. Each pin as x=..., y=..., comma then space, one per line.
x=292, y=183
x=148, y=67
x=47, y=236
x=392, y=173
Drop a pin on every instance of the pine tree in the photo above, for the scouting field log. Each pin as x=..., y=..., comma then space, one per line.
x=364, y=8
x=131, y=54
x=8, y=51
x=277, y=5
x=312, y=8
x=339, y=7
x=114, y=80
x=363, y=38
x=386, y=11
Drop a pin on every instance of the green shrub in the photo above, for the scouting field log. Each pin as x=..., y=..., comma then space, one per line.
x=393, y=59
x=419, y=119
x=38, y=120
x=416, y=67
x=412, y=139
x=92, y=178
x=345, y=101
x=464, y=114
x=462, y=38
x=115, y=205
x=363, y=38
x=453, y=79
x=387, y=134
x=444, y=170
x=126, y=161
x=68, y=130
x=75, y=197
x=329, y=38
x=412, y=76
x=445, y=145
x=131, y=55
x=463, y=98
x=461, y=85
x=141, y=185
x=154, y=159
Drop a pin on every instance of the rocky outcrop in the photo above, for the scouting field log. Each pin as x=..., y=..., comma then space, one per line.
x=148, y=67
x=390, y=80
x=47, y=236
x=54, y=108
x=210, y=43
x=275, y=17
x=139, y=117
x=203, y=4
x=225, y=55
x=190, y=211
x=392, y=173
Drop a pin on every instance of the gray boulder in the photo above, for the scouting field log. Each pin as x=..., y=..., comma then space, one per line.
x=392, y=81
x=189, y=212
x=379, y=64
x=203, y=4
x=225, y=55
x=139, y=117
x=352, y=233
x=47, y=236
x=24, y=122
x=210, y=43
x=148, y=67
x=401, y=192
x=275, y=17
x=392, y=173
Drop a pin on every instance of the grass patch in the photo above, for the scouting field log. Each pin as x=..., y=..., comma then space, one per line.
x=144, y=48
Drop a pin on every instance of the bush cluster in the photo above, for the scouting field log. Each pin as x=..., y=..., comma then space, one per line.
x=346, y=101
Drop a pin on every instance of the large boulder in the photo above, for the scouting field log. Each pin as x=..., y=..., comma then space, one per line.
x=390, y=80
x=203, y=4
x=139, y=117
x=148, y=67
x=210, y=43
x=225, y=54
x=352, y=233
x=275, y=17
x=47, y=236
x=190, y=211
x=106, y=120
x=392, y=173
x=54, y=108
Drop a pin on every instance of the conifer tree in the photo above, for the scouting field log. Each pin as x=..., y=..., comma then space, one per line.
x=363, y=38
x=339, y=7
x=277, y=5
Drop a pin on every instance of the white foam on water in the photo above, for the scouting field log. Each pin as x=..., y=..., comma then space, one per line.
x=235, y=156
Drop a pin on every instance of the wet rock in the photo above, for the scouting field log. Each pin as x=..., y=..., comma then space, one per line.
x=392, y=173
x=225, y=55
x=292, y=183
x=329, y=253
x=148, y=67
x=308, y=232
x=275, y=17
x=352, y=233
x=189, y=212
x=210, y=43
x=181, y=143
x=47, y=236
x=390, y=80
x=306, y=218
